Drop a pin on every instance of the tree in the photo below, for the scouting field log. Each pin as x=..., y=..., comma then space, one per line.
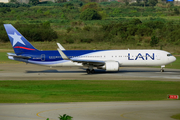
x=15, y=1
x=126, y=2
x=65, y=117
x=5, y=9
x=176, y=11
x=69, y=5
x=37, y=32
x=153, y=2
x=90, y=14
x=60, y=1
x=138, y=1
x=145, y=2
x=33, y=2
x=135, y=21
x=154, y=41
x=91, y=5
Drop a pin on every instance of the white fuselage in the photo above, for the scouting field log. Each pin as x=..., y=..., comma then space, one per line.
x=125, y=58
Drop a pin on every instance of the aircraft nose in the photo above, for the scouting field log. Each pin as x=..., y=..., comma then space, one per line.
x=173, y=59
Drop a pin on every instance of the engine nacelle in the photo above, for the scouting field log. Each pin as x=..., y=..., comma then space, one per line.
x=110, y=66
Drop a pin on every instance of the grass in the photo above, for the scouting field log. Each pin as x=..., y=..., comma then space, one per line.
x=177, y=116
x=4, y=58
x=174, y=65
x=85, y=91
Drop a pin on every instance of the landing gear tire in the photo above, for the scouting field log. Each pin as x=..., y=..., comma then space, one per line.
x=162, y=70
x=90, y=71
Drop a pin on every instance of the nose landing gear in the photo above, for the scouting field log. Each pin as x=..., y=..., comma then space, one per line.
x=162, y=68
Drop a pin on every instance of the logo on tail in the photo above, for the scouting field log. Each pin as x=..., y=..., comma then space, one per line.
x=19, y=43
x=16, y=38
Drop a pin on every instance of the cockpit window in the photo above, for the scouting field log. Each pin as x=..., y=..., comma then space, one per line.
x=169, y=55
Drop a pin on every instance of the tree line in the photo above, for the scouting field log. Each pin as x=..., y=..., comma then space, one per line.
x=93, y=22
x=32, y=32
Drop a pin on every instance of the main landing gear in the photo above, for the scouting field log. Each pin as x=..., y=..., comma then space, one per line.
x=162, y=68
x=90, y=71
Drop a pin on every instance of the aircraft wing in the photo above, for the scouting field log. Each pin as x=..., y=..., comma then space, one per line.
x=83, y=61
x=17, y=56
x=89, y=62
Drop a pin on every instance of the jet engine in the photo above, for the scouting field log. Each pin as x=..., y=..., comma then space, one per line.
x=110, y=66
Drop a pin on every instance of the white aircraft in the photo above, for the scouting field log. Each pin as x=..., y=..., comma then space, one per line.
x=109, y=60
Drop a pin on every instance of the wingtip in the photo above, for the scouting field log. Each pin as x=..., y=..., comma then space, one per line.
x=7, y=25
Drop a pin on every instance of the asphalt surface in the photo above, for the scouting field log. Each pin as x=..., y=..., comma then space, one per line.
x=131, y=110
x=22, y=71
x=123, y=110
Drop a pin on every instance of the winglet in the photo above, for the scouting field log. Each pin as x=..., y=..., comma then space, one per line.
x=62, y=54
x=60, y=46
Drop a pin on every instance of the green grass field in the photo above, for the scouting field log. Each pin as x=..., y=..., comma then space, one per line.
x=85, y=91
x=177, y=116
x=4, y=58
x=174, y=65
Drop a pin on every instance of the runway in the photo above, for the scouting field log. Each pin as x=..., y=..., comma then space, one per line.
x=123, y=110
x=21, y=71
x=131, y=110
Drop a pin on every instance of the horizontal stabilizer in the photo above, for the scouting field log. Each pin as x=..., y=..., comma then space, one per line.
x=17, y=56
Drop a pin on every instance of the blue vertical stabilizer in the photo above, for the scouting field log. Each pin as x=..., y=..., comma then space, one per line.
x=18, y=42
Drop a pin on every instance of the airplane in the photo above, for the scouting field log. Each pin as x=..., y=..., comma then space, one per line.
x=109, y=60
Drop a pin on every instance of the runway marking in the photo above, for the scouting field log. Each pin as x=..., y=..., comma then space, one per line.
x=122, y=115
x=48, y=111
x=54, y=110
x=45, y=111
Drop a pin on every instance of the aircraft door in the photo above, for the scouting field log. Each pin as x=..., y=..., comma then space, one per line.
x=158, y=56
x=42, y=57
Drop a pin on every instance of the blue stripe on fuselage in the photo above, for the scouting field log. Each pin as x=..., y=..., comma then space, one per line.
x=54, y=55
